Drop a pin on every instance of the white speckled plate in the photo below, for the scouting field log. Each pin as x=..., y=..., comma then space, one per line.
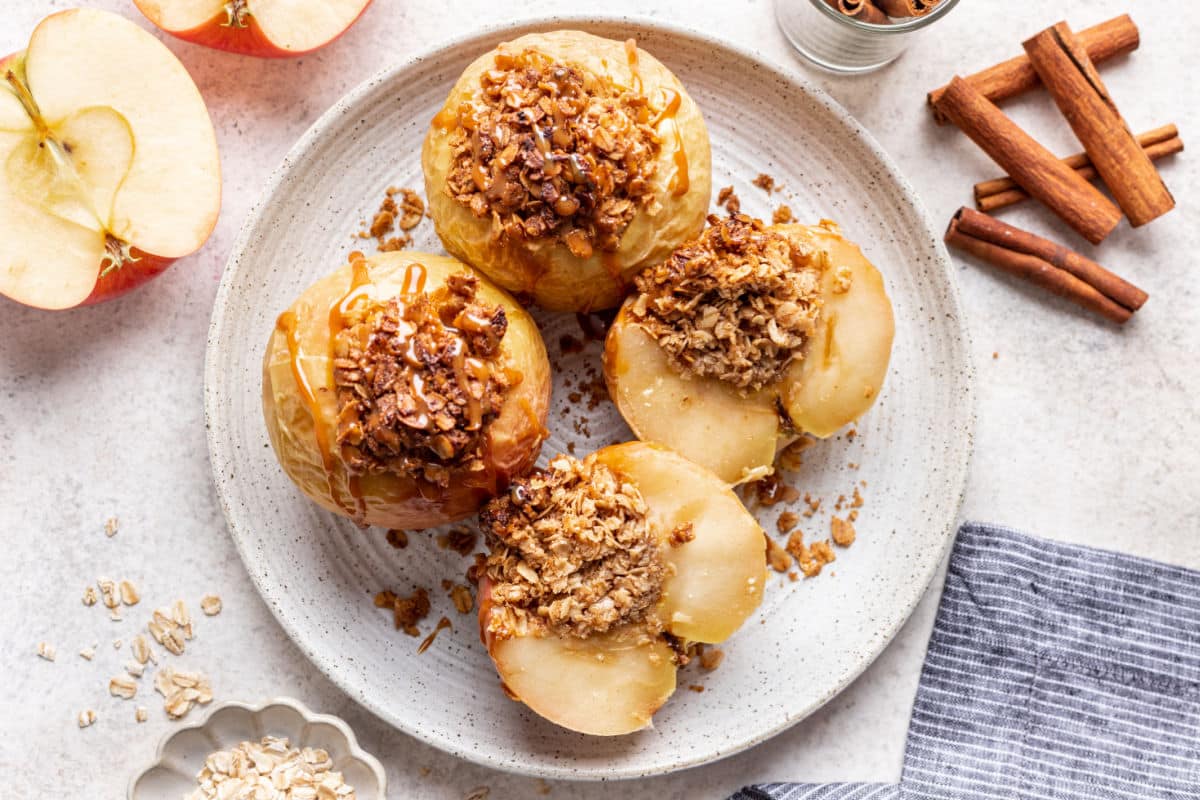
x=811, y=637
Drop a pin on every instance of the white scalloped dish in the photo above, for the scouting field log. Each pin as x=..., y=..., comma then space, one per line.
x=182, y=753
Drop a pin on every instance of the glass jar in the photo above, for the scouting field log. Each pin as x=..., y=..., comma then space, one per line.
x=833, y=41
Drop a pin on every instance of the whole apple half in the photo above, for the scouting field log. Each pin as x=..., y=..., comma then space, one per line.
x=265, y=28
x=612, y=683
x=108, y=162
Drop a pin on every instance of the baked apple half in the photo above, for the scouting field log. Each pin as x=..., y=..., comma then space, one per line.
x=404, y=390
x=601, y=571
x=562, y=164
x=747, y=337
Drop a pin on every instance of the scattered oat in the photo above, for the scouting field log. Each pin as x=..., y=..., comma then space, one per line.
x=782, y=215
x=695, y=687
x=171, y=627
x=764, y=182
x=853, y=515
x=181, y=690
x=135, y=669
x=87, y=718
x=123, y=687
x=397, y=539
x=478, y=793
x=89, y=596
x=210, y=604
x=728, y=199
x=787, y=520
x=108, y=592
x=270, y=769
x=115, y=614
x=777, y=557
x=842, y=531
x=462, y=599
x=141, y=649
x=116, y=643
x=87, y=653
x=129, y=593
x=110, y=527
x=406, y=611
x=443, y=623
x=140, y=714
x=711, y=658
x=682, y=534
x=46, y=651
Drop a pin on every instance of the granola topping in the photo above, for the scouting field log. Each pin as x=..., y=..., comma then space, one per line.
x=736, y=304
x=572, y=552
x=549, y=150
x=418, y=382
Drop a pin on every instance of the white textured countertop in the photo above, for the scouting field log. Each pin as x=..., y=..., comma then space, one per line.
x=1086, y=433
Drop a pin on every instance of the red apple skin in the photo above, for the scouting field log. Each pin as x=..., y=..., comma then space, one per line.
x=247, y=41
x=127, y=277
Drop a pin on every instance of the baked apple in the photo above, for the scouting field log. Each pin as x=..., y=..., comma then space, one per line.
x=562, y=164
x=599, y=574
x=747, y=337
x=404, y=390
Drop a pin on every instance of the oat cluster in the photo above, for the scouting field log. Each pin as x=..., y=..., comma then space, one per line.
x=418, y=380
x=270, y=769
x=550, y=150
x=571, y=551
x=736, y=304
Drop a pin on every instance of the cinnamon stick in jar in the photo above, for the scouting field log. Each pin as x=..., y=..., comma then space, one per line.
x=1020, y=253
x=906, y=8
x=1071, y=78
x=1016, y=75
x=861, y=10
x=1032, y=166
x=998, y=193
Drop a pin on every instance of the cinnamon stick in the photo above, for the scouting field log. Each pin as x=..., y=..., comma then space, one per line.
x=906, y=8
x=1039, y=271
x=1069, y=75
x=861, y=10
x=1017, y=75
x=997, y=193
x=1032, y=166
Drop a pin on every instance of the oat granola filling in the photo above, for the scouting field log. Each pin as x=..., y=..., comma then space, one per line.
x=550, y=150
x=418, y=381
x=736, y=304
x=572, y=552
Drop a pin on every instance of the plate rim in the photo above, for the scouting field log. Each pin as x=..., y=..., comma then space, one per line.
x=219, y=459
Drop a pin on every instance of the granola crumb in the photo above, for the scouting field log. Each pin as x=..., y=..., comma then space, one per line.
x=853, y=515
x=764, y=182
x=211, y=605
x=397, y=538
x=460, y=540
x=87, y=718
x=737, y=303
x=695, y=687
x=406, y=611
x=782, y=215
x=682, y=534
x=407, y=213
x=443, y=623
x=711, y=658
x=857, y=499
x=771, y=490
x=777, y=557
x=460, y=595
x=787, y=520
x=571, y=549
x=793, y=576
x=728, y=200
x=842, y=532
x=110, y=526
x=995, y=355
x=796, y=547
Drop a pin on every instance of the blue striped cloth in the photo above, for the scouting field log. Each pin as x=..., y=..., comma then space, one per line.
x=1054, y=671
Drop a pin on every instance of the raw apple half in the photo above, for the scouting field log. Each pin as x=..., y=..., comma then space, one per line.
x=108, y=162
x=837, y=380
x=612, y=684
x=265, y=28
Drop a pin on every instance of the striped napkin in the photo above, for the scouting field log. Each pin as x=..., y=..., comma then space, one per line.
x=1054, y=671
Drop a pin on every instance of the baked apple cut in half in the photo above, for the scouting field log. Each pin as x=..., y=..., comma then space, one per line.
x=108, y=162
x=562, y=164
x=747, y=337
x=404, y=390
x=601, y=571
x=264, y=28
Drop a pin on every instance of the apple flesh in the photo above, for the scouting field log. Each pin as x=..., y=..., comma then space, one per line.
x=611, y=684
x=108, y=162
x=264, y=28
x=844, y=365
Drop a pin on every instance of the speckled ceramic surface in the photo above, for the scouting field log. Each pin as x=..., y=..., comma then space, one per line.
x=182, y=753
x=811, y=637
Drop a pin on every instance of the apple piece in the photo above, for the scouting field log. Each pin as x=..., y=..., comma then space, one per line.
x=847, y=357
x=612, y=683
x=264, y=28
x=108, y=162
x=700, y=418
x=715, y=580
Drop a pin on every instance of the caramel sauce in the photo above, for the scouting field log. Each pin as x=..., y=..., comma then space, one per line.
x=670, y=107
x=534, y=422
x=445, y=120
x=631, y=55
x=679, y=182
x=414, y=280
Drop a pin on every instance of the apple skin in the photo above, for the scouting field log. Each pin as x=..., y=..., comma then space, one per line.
x=127, y=277
x=247, y=41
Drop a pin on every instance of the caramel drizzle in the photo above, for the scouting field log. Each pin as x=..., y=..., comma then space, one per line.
x=680, y=181
x=631, y=55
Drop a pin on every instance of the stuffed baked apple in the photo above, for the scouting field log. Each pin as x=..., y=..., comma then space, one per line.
x=747, y=337
x=600, y=573
x=562, y=164
x=404, y=390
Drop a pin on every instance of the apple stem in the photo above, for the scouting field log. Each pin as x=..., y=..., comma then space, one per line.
x=116, y=254
x=28, y=103
x=235, y=14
